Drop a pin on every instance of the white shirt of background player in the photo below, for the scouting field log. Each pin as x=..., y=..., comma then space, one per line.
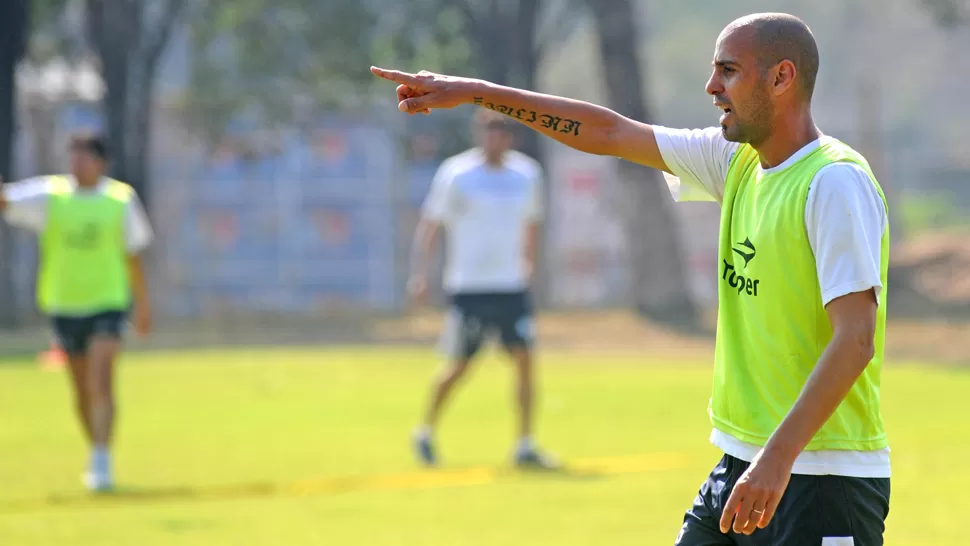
x=485, y=211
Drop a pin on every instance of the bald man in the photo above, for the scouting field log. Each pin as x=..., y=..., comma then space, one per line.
x=803, y=256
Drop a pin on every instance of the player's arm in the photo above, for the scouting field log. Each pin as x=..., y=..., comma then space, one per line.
x=433, y=214
x=425, y=239
x=139, y=236
x=139, y=293
x=580, y=125
x=24, y=203
x=853, y=319
x=533, y=224
x=530, y=251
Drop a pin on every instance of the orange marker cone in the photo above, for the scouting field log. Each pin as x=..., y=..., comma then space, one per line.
x=53, y=358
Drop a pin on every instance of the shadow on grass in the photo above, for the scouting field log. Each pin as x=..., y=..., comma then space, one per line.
x=579, y=471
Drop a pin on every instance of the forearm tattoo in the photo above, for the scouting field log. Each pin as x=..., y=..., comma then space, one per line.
x=546, y=121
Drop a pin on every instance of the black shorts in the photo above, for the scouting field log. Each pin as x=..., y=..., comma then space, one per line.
x=815, y=511
x=75, y=333
x=475, y=316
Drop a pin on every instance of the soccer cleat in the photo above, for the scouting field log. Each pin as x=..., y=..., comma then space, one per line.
x=424, y=450
x=98, y=477
x=97, y=482
x=533, y=459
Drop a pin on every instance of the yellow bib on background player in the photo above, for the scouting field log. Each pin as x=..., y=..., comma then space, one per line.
x=82, y=250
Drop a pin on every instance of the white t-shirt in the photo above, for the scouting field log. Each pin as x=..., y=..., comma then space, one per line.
x=27, y=208
x=845, y=219
x=485, y=211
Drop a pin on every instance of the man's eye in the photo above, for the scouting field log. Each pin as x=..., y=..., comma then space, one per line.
x=728, y=70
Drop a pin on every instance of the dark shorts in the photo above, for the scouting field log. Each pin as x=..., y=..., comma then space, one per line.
x=472, y=318
x=815, y=511
x=75, y=333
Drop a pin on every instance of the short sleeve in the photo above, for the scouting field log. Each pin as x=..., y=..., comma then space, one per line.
x=138, y=230
x=27, y=203
x=436, y=204
x=846, y=218
x=698, y=160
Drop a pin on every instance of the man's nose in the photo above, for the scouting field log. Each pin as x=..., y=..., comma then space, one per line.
x=714, y=86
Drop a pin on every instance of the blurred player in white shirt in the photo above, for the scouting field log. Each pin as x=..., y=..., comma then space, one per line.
x=488, y=201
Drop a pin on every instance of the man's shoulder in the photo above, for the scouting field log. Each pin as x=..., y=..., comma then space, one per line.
x=846, y=184
x=38, y=186
x=119, y=190
x=843, y=177
x=522, y=163
x=837, y=152
x=462, y=162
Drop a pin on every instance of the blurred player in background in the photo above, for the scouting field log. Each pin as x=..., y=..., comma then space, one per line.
x=488, y=201
x=91, y=232
x=804, y=255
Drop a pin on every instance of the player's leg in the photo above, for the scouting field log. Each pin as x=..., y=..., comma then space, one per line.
x=78, y=364
x=72, y=339
x=702, y=521
x=103, y=348
x=525, y=391
x=460, y=341
x=516, y=324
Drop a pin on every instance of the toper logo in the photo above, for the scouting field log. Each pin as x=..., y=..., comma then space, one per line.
x=746, y=251
x=84, y=237
x=744, y=285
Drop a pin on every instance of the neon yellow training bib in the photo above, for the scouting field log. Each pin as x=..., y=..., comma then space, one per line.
x=83, y=255
x=772, y=327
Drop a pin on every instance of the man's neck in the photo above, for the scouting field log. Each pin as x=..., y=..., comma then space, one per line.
x=494, y=160
x=87, y=182
x=794, y=133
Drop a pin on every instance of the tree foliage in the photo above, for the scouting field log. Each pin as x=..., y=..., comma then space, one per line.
x=282, y=61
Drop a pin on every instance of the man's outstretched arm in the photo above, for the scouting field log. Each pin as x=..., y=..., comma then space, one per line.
x=577, y=124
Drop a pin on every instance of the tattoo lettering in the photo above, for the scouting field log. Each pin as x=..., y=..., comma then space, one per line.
x=520, y=114
x=572, y=126
x=547, y=121
x=550, y=122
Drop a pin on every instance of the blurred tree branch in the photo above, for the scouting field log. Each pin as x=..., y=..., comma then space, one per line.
x=948, y=13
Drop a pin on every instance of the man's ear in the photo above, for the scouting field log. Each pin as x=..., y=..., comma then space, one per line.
x=784, y=76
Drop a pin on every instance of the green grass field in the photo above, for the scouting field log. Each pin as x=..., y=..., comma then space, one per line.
x=311, y=447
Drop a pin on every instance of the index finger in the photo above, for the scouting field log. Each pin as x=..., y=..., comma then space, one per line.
x=394, y=75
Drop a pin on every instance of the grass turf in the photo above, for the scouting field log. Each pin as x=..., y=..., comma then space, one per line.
x=293, y=446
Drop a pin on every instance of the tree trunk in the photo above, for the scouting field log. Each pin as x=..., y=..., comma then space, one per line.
x=129, y=48
x=13, y=39
x=138, y=129
x=660, y=290
x=528, y=140
x=113, y=28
